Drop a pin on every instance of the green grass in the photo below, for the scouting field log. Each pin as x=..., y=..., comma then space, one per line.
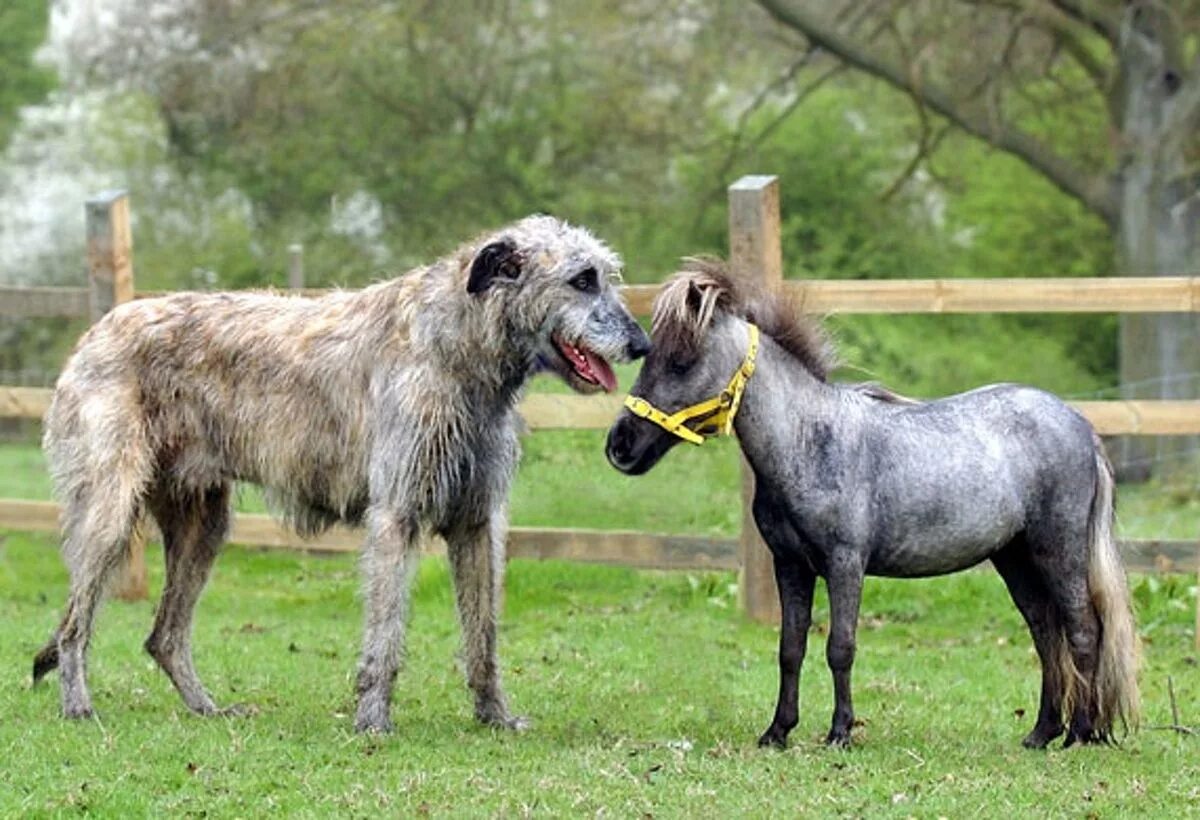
x=647, y=691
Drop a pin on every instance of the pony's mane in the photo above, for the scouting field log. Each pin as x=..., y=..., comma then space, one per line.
x=688, y=301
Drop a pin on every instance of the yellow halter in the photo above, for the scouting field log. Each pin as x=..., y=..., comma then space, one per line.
x=717, y=412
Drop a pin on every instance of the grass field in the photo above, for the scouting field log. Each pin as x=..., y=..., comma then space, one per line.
x=647, y=691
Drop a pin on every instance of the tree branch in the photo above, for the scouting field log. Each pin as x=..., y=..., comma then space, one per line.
x=1094, y=191
x=1105, y=19
x=1068, y=31
x=1189, y=100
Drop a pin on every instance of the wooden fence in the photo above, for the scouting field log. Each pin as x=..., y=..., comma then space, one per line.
x=754, y=243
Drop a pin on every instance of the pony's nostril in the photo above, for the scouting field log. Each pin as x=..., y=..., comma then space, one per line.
x=617, y=448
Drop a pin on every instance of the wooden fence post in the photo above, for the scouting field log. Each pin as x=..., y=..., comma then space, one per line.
x=295, y=270
x=110, y=282
x=754, y=252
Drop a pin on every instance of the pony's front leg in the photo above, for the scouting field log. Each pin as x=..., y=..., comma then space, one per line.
x=844, y=579
x=795, y=582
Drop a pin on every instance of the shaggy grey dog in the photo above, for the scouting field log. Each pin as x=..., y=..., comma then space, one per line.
x=393, y=407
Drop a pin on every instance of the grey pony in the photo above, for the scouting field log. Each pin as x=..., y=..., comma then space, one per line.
x=393, y=407
x=852, y=480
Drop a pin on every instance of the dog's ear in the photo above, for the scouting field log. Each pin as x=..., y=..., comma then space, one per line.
x=498, y=260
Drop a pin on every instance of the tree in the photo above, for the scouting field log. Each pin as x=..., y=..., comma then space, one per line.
x=22, y=27
x=452, y=117
x=1006, y=71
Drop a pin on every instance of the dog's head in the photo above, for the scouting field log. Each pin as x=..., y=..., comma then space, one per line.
x=555, y=287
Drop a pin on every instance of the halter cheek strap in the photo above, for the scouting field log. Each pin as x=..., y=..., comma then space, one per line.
x=716, y=414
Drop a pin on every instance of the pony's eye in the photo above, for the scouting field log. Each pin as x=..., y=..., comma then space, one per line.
x=678, y=367
x=587, y=281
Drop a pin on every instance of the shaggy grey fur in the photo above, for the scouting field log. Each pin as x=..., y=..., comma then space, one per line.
x=393, y=407
x=853, y=481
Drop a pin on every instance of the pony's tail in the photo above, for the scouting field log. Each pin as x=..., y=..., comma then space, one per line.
x=1116, y=688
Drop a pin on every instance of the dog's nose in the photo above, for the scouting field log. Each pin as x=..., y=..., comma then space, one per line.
x=640, y=345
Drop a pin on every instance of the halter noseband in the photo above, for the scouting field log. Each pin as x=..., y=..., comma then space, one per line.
x=717, y=412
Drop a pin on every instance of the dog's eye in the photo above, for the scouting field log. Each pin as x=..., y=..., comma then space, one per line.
x=587, y=281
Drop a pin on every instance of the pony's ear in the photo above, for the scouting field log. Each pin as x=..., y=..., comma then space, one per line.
x=702, y=299
x=499, y=260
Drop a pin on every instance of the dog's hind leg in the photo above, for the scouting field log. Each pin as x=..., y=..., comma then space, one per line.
x=390, y=558
x=96, y=545
x=1032, y=597
x=477, y=562
x=193, y=527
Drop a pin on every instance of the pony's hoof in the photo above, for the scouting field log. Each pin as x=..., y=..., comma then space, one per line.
x=1040, y=738
x=773, y=739
x=1089, y=738
x=838, y=739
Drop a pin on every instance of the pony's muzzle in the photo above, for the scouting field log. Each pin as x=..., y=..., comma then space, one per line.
x=619, y=446
x=635, y=445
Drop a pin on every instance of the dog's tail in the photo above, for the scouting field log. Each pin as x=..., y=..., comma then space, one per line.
x=1116, y=687
x=46, y=660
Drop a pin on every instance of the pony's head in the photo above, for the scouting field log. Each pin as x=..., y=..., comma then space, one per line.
x=702, y=353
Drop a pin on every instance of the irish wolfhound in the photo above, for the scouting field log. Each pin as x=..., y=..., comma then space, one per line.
x=393, y=407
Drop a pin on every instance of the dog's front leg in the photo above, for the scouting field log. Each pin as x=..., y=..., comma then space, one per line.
x=390, y=557
x=477, y=560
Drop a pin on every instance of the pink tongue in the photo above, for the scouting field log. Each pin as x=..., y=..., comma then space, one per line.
x=600, y=369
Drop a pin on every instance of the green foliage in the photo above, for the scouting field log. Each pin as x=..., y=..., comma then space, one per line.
x=646, y=689
x=22, y=28
x=984, y=215
x=453, y=120
x=456, y=122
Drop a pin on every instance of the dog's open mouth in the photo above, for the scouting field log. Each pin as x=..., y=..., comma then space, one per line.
x=586, y=364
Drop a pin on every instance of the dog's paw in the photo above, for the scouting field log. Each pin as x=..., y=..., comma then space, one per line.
x=501, y=719
x=238, y=710
x=372, y=719
x=78, y=712
x=515, y=723
x=373, y=727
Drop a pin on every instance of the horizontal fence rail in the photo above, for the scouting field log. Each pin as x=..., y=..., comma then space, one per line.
x=619, y=547
x=1140, y=294
x=1146, y=294
x=554, y=411
x=1133, y=294
x=44, y=302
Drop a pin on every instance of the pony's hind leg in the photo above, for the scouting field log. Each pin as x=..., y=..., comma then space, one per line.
x=193, y=526
x=1032, y=598
x=1064, y=572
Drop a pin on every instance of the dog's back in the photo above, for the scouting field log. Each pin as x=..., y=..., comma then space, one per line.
x=193, y=390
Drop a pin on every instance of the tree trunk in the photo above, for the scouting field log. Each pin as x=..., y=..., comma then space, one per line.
x=1158, y=233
